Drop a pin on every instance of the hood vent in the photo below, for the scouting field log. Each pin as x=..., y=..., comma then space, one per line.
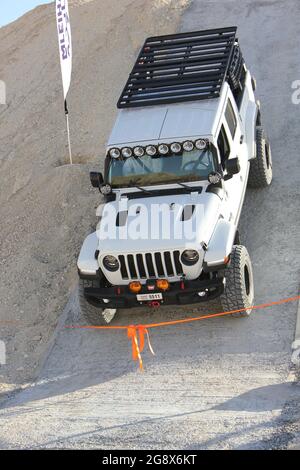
x=121, y=218
x=187, y=212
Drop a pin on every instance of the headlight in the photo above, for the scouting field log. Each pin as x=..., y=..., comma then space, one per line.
x=110, y=263
x=138, y=151
x=126, y=152
x=189, y=257
x=188, y=145
x=176, y=147
x=114, y=153
x=201, y=144
x=163, y=149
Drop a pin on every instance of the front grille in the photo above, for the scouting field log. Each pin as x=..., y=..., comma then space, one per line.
x=150, y=265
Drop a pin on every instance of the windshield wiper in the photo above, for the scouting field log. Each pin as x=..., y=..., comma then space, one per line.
x=190, y=188
x=143, y=190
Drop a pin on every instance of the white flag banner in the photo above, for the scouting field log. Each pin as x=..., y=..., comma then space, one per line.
x=65, y=42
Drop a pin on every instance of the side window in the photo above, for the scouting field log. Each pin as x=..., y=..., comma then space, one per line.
x=230, y=118
x=224, y=146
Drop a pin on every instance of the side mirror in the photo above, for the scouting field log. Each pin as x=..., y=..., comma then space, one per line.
x=232, y=166
x=96, y=179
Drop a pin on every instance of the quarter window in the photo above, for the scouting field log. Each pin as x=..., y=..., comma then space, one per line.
x=230, y=118
x=223, y=145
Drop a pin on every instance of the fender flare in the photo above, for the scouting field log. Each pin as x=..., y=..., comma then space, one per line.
x=87, y=263
x=220, y=245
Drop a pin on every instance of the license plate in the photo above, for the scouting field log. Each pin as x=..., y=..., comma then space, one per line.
x=153, y=296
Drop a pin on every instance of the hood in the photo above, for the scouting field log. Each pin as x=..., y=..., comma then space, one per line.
x=157, y=223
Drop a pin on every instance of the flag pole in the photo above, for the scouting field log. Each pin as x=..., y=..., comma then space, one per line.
x=68, y=132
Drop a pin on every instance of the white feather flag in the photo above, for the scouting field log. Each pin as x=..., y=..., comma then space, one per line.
x=64, y=42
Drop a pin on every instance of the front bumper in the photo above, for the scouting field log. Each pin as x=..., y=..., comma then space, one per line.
x=178, y=294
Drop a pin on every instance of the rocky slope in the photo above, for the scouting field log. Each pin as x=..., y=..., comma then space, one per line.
x=47, y=206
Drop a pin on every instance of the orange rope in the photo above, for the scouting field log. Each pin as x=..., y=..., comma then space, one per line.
x=136, y=333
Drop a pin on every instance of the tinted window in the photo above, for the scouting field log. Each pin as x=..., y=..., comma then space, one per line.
x=223, y=145
x=230, y=118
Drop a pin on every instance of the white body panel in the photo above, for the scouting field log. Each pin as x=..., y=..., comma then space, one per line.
x=216, y=216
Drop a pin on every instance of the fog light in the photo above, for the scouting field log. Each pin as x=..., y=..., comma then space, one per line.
x=106, y=301
x=135, y=287
x=162, y=284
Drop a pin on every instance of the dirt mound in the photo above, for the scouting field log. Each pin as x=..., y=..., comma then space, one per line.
x=46, y=206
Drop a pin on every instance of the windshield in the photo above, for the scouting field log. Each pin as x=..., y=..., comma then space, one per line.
x=188, y=166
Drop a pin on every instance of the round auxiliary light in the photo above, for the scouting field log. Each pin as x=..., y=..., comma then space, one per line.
x=138, y=151
x=176, y=147
x=105, y=189
x=214, y=177
x=163, y=149
x=162, y=284
x=114, y=153
x=126, y=152
x=188, y=145
x=151, y=150
x=135, y=287
x=189, y=257
x=201, y=144
x=110, y=263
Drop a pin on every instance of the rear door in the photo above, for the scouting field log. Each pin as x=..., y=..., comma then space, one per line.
x=230, y=146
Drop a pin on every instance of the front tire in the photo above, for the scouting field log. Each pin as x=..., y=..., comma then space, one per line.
x=260, y=174
x=239, y=288
x=93, y=315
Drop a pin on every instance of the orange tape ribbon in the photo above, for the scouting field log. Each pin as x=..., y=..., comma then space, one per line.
x=136, y=333
x=138, y=342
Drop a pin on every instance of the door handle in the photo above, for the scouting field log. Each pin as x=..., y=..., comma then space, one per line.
x=242, y=139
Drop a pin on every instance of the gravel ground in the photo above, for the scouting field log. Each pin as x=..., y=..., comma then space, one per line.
x=219, y=384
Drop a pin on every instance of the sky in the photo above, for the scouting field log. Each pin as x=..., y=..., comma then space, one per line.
x=10, y=10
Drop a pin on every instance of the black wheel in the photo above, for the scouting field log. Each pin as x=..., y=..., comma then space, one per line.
x=239, y=289
x=260, y=174
x=93, y=315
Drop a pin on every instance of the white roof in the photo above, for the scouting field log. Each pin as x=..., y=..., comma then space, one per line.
x=168, y=122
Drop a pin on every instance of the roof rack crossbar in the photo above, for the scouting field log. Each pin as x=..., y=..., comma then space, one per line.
x=175, y=86
x=189, y=77
x=149, y=93
x=182, y=50
x=179, y=67
x=204, y=32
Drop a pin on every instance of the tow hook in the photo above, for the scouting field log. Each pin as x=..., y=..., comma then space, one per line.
x=154, y=304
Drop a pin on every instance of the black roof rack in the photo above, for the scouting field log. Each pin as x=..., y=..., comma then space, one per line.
x=179, y=67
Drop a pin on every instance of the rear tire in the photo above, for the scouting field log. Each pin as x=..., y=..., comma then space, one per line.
x=93, y=315
x=260, y=174
x=239, y=288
